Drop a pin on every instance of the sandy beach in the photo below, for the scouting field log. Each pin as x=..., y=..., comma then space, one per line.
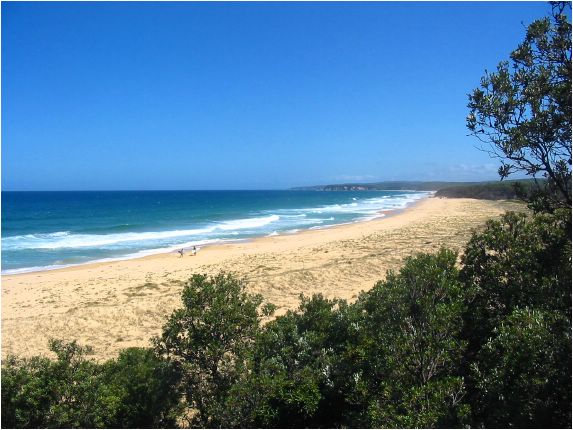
x=120, y=304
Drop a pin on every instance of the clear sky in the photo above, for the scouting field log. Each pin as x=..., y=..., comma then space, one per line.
x=99, y=96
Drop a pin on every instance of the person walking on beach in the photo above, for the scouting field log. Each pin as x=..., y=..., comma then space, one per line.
x=180, y=252
x=194, y=251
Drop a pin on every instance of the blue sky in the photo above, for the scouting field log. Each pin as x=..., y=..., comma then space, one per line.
x=99, y=96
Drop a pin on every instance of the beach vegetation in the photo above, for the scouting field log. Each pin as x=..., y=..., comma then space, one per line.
x=40, y=392
x=522, y=111
x=210, y=341
x=302, y=374
x=143, y=389
x=136, y=390
x=517, y=262
x=522, y=374
x=517, y=325
x=413, y=346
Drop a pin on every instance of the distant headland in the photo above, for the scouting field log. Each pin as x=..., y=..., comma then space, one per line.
x=489, y=190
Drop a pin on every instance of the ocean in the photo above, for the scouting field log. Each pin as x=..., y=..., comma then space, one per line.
x=48, y=230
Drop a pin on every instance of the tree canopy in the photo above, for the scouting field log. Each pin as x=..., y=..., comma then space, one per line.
x=522, y=111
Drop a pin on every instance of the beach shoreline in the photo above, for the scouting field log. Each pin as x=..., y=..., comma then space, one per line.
x=113, y=305
x=58, y=244
x=385, y=213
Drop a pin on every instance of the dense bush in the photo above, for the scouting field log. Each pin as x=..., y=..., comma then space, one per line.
x=519, y=270
x=413, y=348
x=43, y=393
x=135, y=390
x=301, y=373
x=143, y=389
x=516, y=262
x=523, y=372
x=434, y=345
x=210, y=341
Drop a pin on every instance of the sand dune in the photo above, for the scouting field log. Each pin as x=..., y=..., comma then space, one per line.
x=115, y=305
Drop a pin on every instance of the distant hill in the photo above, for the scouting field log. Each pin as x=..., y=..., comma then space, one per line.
x=489, y=190
x=384, y=186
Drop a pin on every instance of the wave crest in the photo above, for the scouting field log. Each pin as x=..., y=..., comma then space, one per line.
x=66, y=239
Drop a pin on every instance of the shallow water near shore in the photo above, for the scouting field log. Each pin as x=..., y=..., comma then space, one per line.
x=46, y=230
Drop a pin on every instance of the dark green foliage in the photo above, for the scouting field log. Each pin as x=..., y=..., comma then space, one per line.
x=26, y=397
x=518, y=321
x=517, y=262
x=523, y=373
x=523, y=110
x=43, y=393
x=300, y=367
x=412, y=348
x=142, y=389
x=389, y=360
x=136, y=390
x=518, y=271
x=210, y=340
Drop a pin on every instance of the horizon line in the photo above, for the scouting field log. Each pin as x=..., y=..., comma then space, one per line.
x=261, y=189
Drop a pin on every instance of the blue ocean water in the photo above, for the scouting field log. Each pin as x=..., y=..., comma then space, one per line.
x=45, y=230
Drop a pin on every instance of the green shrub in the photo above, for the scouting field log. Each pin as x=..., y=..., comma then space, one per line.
x=300, y=367
x=412, y=348
x=136, y=390
x=516, y=262
x=518, y=321
x=39, y=392
x=210, y=341
x=523, y=373
x=143, y=389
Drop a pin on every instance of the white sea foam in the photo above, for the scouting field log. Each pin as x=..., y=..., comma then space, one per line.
x=369, y=206
x=269, y=223
x=372, y=217
x=144, y=253
x=66, y=240
x=247, y=223
x=35, y=269
x=365, y=209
